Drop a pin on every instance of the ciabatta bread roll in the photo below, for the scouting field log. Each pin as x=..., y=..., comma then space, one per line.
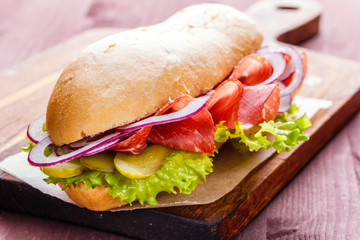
x=132, y=74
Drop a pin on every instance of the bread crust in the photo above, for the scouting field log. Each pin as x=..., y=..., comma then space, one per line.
x=130, y=75
x=96, y=199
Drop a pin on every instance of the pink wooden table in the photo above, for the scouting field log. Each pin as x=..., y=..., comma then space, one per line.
x=322, y=202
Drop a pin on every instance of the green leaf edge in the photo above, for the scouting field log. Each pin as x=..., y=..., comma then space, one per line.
x=282, y=133
x=181, y=172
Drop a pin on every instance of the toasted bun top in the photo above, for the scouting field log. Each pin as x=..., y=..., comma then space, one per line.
x=132, y=74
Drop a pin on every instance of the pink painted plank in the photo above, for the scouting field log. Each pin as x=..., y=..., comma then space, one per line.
x=27, y=28
x=339, y=34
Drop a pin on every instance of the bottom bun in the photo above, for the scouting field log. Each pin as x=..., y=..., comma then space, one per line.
x=97, y=199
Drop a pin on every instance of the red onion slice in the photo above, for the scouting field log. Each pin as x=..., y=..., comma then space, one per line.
x=278, y=64
x=290, y=69
x=35, y=132
x=102, y=148
x=109, y=144
x=191, y=109
x=86, y=141
x=36, y=156
x=296, y=60
x=83, y=142
x=100, y=143
x=285, y=103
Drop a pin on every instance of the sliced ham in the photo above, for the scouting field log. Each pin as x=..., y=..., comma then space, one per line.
x=192, y=134
x=135, y=143
x=223, y=104
x=252, y=70
x=250, y=105
x=259, y=104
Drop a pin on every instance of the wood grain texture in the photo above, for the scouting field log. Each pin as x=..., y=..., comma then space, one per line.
x=321, y=203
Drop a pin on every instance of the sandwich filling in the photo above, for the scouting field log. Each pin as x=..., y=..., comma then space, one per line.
x=253, y=109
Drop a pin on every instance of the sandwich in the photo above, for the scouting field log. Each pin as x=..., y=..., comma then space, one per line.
x=145, y=111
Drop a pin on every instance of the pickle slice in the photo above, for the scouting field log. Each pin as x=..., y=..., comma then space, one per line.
x=65, y=169
x=143, y=165
x=102, y=162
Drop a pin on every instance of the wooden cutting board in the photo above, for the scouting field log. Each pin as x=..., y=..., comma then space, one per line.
x=28, y=87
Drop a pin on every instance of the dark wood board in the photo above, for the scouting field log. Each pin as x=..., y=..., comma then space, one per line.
x=222, y=219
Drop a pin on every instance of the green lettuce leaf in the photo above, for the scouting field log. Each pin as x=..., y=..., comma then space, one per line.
x=182, y=172
x=30, y=145
x=43, y=128
x=280, y=134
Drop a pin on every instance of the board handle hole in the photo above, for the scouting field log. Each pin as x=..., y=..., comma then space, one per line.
x=287, y=7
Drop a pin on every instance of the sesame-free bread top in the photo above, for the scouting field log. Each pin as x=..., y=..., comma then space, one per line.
x=130, y=75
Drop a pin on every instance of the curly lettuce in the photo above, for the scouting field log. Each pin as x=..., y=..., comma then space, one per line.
x=181, y=171
x=280, y=134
